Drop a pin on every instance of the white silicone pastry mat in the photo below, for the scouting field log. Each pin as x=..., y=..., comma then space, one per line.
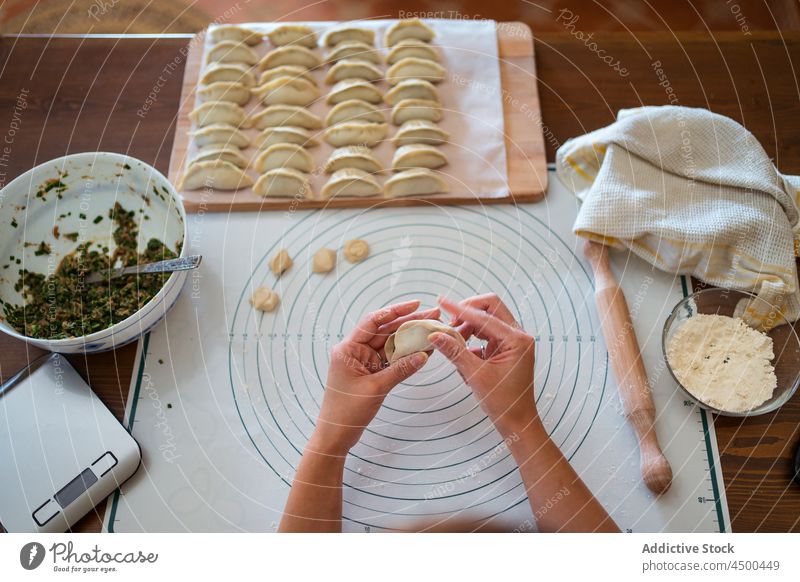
x=473, y=115
x=224, y=398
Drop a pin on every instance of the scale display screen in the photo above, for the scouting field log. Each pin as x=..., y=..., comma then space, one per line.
x=72, y=490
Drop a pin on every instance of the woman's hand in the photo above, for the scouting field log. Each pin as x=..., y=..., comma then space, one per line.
x=358, y=380
x=501, y=374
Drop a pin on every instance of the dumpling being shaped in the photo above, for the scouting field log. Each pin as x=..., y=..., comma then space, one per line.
x=358, y=157
x=324, y=261
x=356, y=133
x=420, y=131
x=411, y=89
x=418, y=156
x=414, y=182
x=286, y=71
x=265, y=299
x=287, y=91
x=229, y=51
x=414, y=68
x=299, y=34
x=285, y=134
x=412, y=337
x=292, y=54
x=236, y=34
x=348, y=33
x=352, y=69
x=214, y=175
x=229, y=154
x=356, y=250
x=354, y=89
x=351, y=182
x=281, y=114
x=281, y=263
x=283, y=183
x=213, y=112
x=412, y=28
x=409, y=109
x=412, y=48
x=354, y=109
x=232, y=72
x=354, y=50
x=225, y=91
x=222, y=134
x=284, y=155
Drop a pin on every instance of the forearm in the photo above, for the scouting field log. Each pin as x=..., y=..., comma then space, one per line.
x=559, y=499
x=315, y=500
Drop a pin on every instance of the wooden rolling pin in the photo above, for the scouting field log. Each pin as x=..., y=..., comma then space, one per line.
x=626, y=361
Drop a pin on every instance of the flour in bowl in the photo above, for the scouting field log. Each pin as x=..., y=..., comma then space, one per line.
x=723, y=362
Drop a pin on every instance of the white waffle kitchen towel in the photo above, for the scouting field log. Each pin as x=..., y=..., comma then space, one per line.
x=693, y=193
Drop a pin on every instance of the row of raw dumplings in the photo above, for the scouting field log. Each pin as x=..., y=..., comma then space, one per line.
x=353, y=124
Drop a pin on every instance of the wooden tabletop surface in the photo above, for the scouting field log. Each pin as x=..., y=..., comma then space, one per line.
x=67, y=95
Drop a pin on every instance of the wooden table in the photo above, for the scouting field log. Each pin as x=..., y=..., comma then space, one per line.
x=121, y=94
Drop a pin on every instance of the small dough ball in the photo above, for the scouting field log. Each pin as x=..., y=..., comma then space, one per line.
x=265, y=299
x=356, y=250
x=281, y=262
x=324, y=261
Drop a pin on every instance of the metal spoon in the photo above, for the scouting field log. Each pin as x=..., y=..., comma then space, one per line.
x=168, y=266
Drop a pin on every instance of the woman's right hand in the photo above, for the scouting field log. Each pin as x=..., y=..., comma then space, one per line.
x=501, y=373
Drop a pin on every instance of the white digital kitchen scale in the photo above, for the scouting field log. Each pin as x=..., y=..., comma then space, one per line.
x=61, y=450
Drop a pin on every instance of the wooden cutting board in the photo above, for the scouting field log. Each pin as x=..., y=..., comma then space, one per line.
x=525, y=148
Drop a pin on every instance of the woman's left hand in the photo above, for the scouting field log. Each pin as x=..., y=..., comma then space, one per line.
x=358, y=382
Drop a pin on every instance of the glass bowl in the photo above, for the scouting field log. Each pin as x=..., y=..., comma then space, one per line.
x=786, y=345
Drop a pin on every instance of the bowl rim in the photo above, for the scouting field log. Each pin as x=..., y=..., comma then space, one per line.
x=158, y=298
x=787, y=395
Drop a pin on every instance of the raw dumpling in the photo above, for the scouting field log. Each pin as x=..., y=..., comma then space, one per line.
x=284, y=155
x=214, y=175
x=265, y=299
x=409, y=109
x=414, y=68
x=283, y=183
x=418, y=156
x=232, y=72
x=354, y=109
x=229, y=51
x=352, y=69
x=220, y=134
x=351, y=182
x=229, y=154
x=354, y=89
x=358, y=157
x=356, y=133
x=418, y=131
x=324, y=261
x=412, y=28
x=277, y=115
x=235, y=34
x=286, y=71
x=288, y=91
x=354, y=50
x=356, y=250
x=225, y=91
x=281, y=263
x=414, y=182
x=348, y=34
x=412, y=337
x=411, y=48
x=214, y=112
x=285, y=134
x=292, y=54
x=412, y=89
x=293, y=34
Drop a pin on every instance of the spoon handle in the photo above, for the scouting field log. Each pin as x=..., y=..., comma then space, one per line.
x=168, y=266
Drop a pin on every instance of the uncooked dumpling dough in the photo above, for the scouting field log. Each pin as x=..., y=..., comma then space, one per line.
x=412, y=337
x=356, y=250
x=265, y=299
x=281, y=262
x=324, y=261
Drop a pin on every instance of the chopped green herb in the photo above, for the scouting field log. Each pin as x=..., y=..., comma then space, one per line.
x=73, y=236
x=97, y=219
x=82, y=216
x=14, y=223
x=42, y=249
